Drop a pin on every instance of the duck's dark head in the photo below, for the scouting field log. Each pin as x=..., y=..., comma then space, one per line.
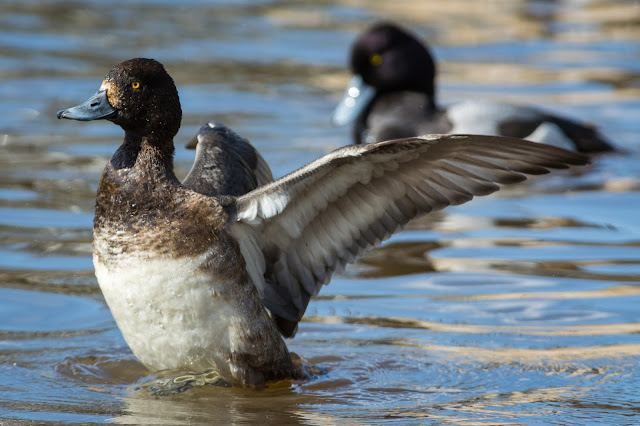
x=139, y=96
x=385, y=58
x=389, y=58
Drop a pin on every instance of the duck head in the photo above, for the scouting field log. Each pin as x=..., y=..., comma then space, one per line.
x=139, y=96
x=385, y=58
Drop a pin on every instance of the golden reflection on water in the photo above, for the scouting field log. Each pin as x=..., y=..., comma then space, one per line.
x=615, y=291
x=485, y=408
x=545, y=268
x=403, y=258
x=555, y=330
x=502, y=19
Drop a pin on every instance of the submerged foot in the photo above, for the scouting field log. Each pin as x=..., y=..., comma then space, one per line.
x=178, y=383
x=172, y=385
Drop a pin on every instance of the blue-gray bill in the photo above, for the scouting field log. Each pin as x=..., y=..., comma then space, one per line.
x=356, y=97
x=94, y=108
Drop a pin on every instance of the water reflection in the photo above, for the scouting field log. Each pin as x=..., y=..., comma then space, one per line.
x=520, y=307
x=219, y=406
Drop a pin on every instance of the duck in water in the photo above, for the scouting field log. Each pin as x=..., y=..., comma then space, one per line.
x=392, y=94
x=198, y=281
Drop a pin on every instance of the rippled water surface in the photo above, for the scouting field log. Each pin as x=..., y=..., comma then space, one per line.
x=519, y=308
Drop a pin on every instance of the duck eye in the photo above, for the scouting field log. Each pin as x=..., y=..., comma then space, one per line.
x=135, y=84
x=375, y=59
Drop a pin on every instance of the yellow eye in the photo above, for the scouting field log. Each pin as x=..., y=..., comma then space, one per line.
x=135, y=84
x=376, y=59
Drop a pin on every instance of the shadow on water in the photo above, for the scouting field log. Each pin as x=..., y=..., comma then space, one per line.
x=521, y=307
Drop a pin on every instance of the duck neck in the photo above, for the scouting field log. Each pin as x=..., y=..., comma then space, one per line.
x=431, y=99
x=151, y=157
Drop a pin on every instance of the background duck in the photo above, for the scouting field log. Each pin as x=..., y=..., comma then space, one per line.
x=392, y=94
x=198, y=282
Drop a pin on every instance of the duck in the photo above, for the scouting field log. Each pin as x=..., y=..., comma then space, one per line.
x=203, y=281
x=392, y=94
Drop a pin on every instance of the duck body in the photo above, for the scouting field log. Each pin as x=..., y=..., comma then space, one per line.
x=399, y=114
x=393, y=95
x=404, y=114
x=174, y=293
x=172, y=276
x=197, y=279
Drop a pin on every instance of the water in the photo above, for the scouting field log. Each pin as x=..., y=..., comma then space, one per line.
x=517, y=308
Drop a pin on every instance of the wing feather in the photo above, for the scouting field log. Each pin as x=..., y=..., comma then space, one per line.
x=225, y=163
x=325, y=215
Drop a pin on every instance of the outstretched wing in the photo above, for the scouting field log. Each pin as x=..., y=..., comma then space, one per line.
x=225, y=163
x=295, y=232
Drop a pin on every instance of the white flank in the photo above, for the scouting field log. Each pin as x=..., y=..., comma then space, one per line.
x=480, y=117
x=551, y=134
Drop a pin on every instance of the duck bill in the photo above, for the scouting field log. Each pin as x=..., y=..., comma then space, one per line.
x=356, y=98
x=95, y=108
